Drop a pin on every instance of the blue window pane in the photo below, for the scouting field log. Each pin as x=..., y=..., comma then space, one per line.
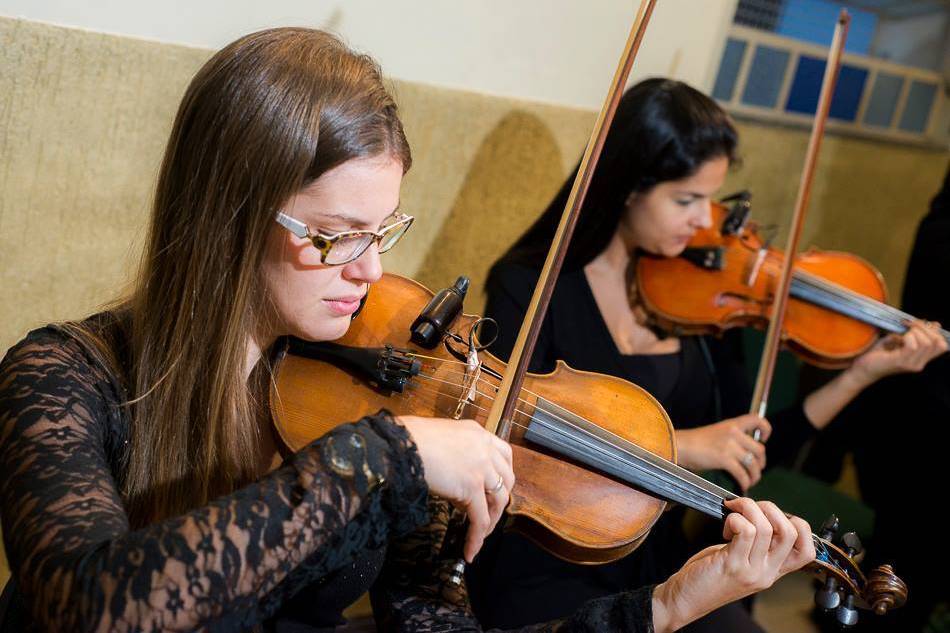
x=814, y=21
x=848, y=90
x=883, y=101
x=729, y=69
x=803, y=95
x=806, y=88
x=917, y=110
x=765, y=76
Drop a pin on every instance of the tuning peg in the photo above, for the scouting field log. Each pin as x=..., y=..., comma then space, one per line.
x=851, y=544
x=828, y=597
x=885, y=591
x=829, y=528
x=846, y=614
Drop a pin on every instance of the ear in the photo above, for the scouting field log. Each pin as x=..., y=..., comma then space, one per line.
x=633, y=198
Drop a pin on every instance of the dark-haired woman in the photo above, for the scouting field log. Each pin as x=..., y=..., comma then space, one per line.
x=141, y=486
x=666, y=155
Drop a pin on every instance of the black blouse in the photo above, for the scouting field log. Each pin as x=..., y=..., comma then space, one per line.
x=287, y=553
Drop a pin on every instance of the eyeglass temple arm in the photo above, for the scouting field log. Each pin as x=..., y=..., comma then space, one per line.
x=296, y=227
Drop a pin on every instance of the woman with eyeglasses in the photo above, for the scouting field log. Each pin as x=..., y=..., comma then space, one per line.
x=666, y=155
x=141, y=484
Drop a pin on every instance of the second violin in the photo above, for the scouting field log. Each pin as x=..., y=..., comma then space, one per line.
x=727, y=276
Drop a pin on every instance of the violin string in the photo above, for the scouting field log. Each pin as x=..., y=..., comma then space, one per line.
x=871, y=307
x=885, y=311
x=482, y=379
x=665, y=466
x=866, y=304
x=835, y=289
x=436, y=358
x=481, y=375
x=874, y=310
x=712, y=496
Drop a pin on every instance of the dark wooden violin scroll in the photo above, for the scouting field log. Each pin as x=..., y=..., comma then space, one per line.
x=885, y=591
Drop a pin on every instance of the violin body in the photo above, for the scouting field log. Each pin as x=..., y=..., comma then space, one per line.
x=735, y=285
x=566, y=507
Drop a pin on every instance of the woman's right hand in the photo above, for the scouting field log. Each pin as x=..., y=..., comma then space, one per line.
x=726, y=445
x=763, y=546
x=464, y=464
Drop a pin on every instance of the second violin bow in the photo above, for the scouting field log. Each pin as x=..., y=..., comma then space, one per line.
x=773, y=338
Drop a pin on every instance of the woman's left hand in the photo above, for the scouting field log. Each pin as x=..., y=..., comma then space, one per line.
x=900, y=353
x=763, y=546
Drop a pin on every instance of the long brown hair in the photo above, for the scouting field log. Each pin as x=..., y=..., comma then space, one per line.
x=264, y=117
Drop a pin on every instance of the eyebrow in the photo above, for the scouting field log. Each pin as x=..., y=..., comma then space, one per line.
x=694, y=194
x=349, y=220
x=353, y=220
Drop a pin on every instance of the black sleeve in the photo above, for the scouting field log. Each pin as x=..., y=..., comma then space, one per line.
x=225, y=566
x=791, y=430
x=509, y=294
x=924, y=295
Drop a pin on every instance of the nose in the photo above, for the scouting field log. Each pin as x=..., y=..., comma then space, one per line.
x=367, y=268
x=704, y=220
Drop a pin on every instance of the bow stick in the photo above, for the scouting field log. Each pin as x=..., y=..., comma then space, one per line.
x=506, y=398
x=773, y=338
x=502, y=410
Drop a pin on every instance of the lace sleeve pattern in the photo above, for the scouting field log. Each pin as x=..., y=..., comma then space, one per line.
x=225, y=566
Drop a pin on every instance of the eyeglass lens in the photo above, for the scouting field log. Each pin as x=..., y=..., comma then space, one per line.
x=349, y=247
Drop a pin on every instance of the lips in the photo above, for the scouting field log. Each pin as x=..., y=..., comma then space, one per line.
x=343, y=305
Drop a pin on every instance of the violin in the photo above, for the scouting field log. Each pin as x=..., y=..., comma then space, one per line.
x=590, y=483
x=727, y=275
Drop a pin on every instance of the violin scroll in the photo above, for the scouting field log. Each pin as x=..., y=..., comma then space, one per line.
x=885, y=591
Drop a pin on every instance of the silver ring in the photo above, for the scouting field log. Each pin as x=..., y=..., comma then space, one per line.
x=747, y=459
x=497, y=487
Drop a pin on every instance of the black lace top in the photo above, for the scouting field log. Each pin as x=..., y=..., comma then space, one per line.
x=296, y=546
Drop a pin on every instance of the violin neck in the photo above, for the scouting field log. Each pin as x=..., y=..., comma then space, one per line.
x=831, y=296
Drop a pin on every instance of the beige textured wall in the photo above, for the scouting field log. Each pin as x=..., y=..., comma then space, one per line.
x=83, y=121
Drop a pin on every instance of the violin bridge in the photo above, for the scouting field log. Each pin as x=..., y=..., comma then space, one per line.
x=473, y=370
x=756, y=267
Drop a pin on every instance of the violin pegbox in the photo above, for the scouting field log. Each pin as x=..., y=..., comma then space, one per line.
x=845, y=588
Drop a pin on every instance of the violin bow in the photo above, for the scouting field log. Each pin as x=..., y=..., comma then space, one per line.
x=502, y=410
x=506, y=398
x=773, y=338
